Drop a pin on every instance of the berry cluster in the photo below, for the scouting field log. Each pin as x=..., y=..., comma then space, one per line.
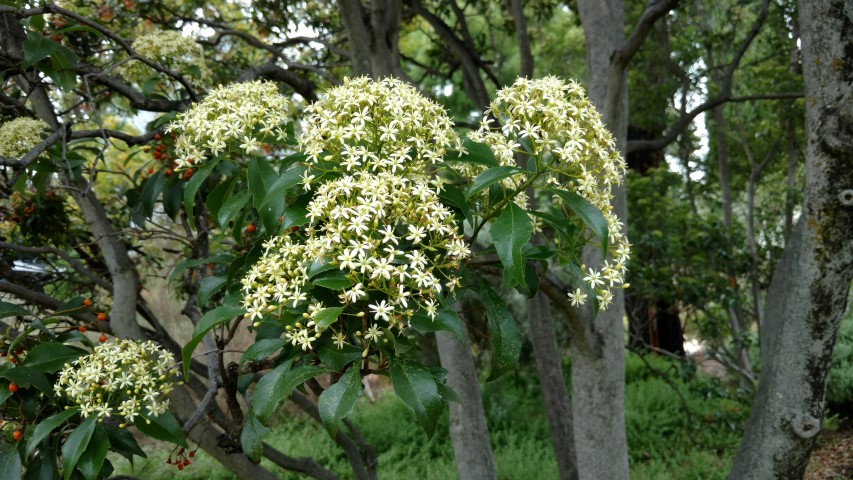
x=180, y=457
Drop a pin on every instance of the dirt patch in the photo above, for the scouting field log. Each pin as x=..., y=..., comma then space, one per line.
x=833, y=457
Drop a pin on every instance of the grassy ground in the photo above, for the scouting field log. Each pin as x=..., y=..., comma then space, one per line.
x=676, y=430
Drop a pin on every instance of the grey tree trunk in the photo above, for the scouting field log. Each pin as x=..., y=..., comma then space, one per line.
x=598, y=356
x=549, y=369
x=808, y=294
x=373, y=31
x=468, y=430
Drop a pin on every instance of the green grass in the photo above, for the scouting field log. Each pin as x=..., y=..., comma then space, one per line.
x=664, y=443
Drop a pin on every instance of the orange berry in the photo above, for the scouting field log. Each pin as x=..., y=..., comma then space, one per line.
x=157, y=137
x=87, y=302
x=13, y=360
x=102, y=317
x=82, y=328
x=102, y=338
x=188, y=174
x=250, y=228
x=169, y=171
x=150, y=170
x=13, y=388
x=17, y=435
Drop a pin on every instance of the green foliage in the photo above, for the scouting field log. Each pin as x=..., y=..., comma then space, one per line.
x=839, y=387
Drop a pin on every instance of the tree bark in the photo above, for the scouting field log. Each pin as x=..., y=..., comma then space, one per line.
x=469, y=432
x=598, y=356
x=373, y=31
x=522, y=38
x=549, y=369
x=808, y=294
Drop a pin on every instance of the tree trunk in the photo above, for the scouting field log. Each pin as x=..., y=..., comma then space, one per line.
x=373, y=31
x=598, y=356
x=808, y=294
x=469, y=432
x=549, y=369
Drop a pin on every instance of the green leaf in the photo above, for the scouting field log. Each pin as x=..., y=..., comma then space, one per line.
x=36, y=48
x=194, y=184
x=51, y=356
x=205, y=324
x=272, y=215
x=327, y=316
x=63, y=62
x=292, y=176
x=152, y=189
x=338, y=358
x=75, y=445
x=262, y=348
x=207, y=287
x=489, y=178
x=277, y=385
x=416, y=387
x=447, y=393
x=333, y=280
x=218, y=196
x=252, y=437
x=337, y=401
x=477, y=153
x=163, y=427
x=11, y=310
x=172, y=198
x=26, y=377
x=320, y=265
x=232, y=208
x=93, y=457
x=123, y=443
x=454, y=197
x=44, y=427
x=42, y=466
x=506, y=338
x=194, y=262
x=261, y=179
x=589, y=213
x=445, y=319
x=509, y=232
x=11, y=467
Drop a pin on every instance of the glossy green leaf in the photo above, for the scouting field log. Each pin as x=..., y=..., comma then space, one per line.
x=36, y=48
x=44, y=427
x=277, y=385
x=445, y=320
x=163, y=427
x=261, y=179
x=338, y=358
x=219, y=195
x=327, y=316
x=477, y=153
x=509, y=232
x=454, y=197
x=11, y=467
x=252, y=437
x=333, y=280
x=232, y=208
x=151, y=191
x=28, y=377
x=42, y=466
x=172, y=196
x=205, y=324
x=416, y=387
x=75, y=445
x=288, y=179
x=194, y=184
x=123, y=443
x=506, y=337
x=262, y=348
x=337, y=401
x=489, y=178
x=587, y=212
x=51, y=356
x=11, y=310
x=208, y=287
x=93, y=457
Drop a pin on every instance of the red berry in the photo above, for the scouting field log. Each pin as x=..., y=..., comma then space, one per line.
x=157, y=137
x=180, y=466
x=102, y=317
x=250, y=228
x=82, y=328
x=87, y=302
x=188, y=174
x=186, y=461
x=102, y=338
x=17, y=435
x=192, y=453
x=150, y=170
x=169, y=171
x=13, y=388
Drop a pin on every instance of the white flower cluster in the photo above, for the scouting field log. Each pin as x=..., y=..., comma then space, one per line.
x=120, y=378
x=382, y=125
x=233, y=119
x=560, y=129
x=19, y=136
x=380, y=223
x=172, y=50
